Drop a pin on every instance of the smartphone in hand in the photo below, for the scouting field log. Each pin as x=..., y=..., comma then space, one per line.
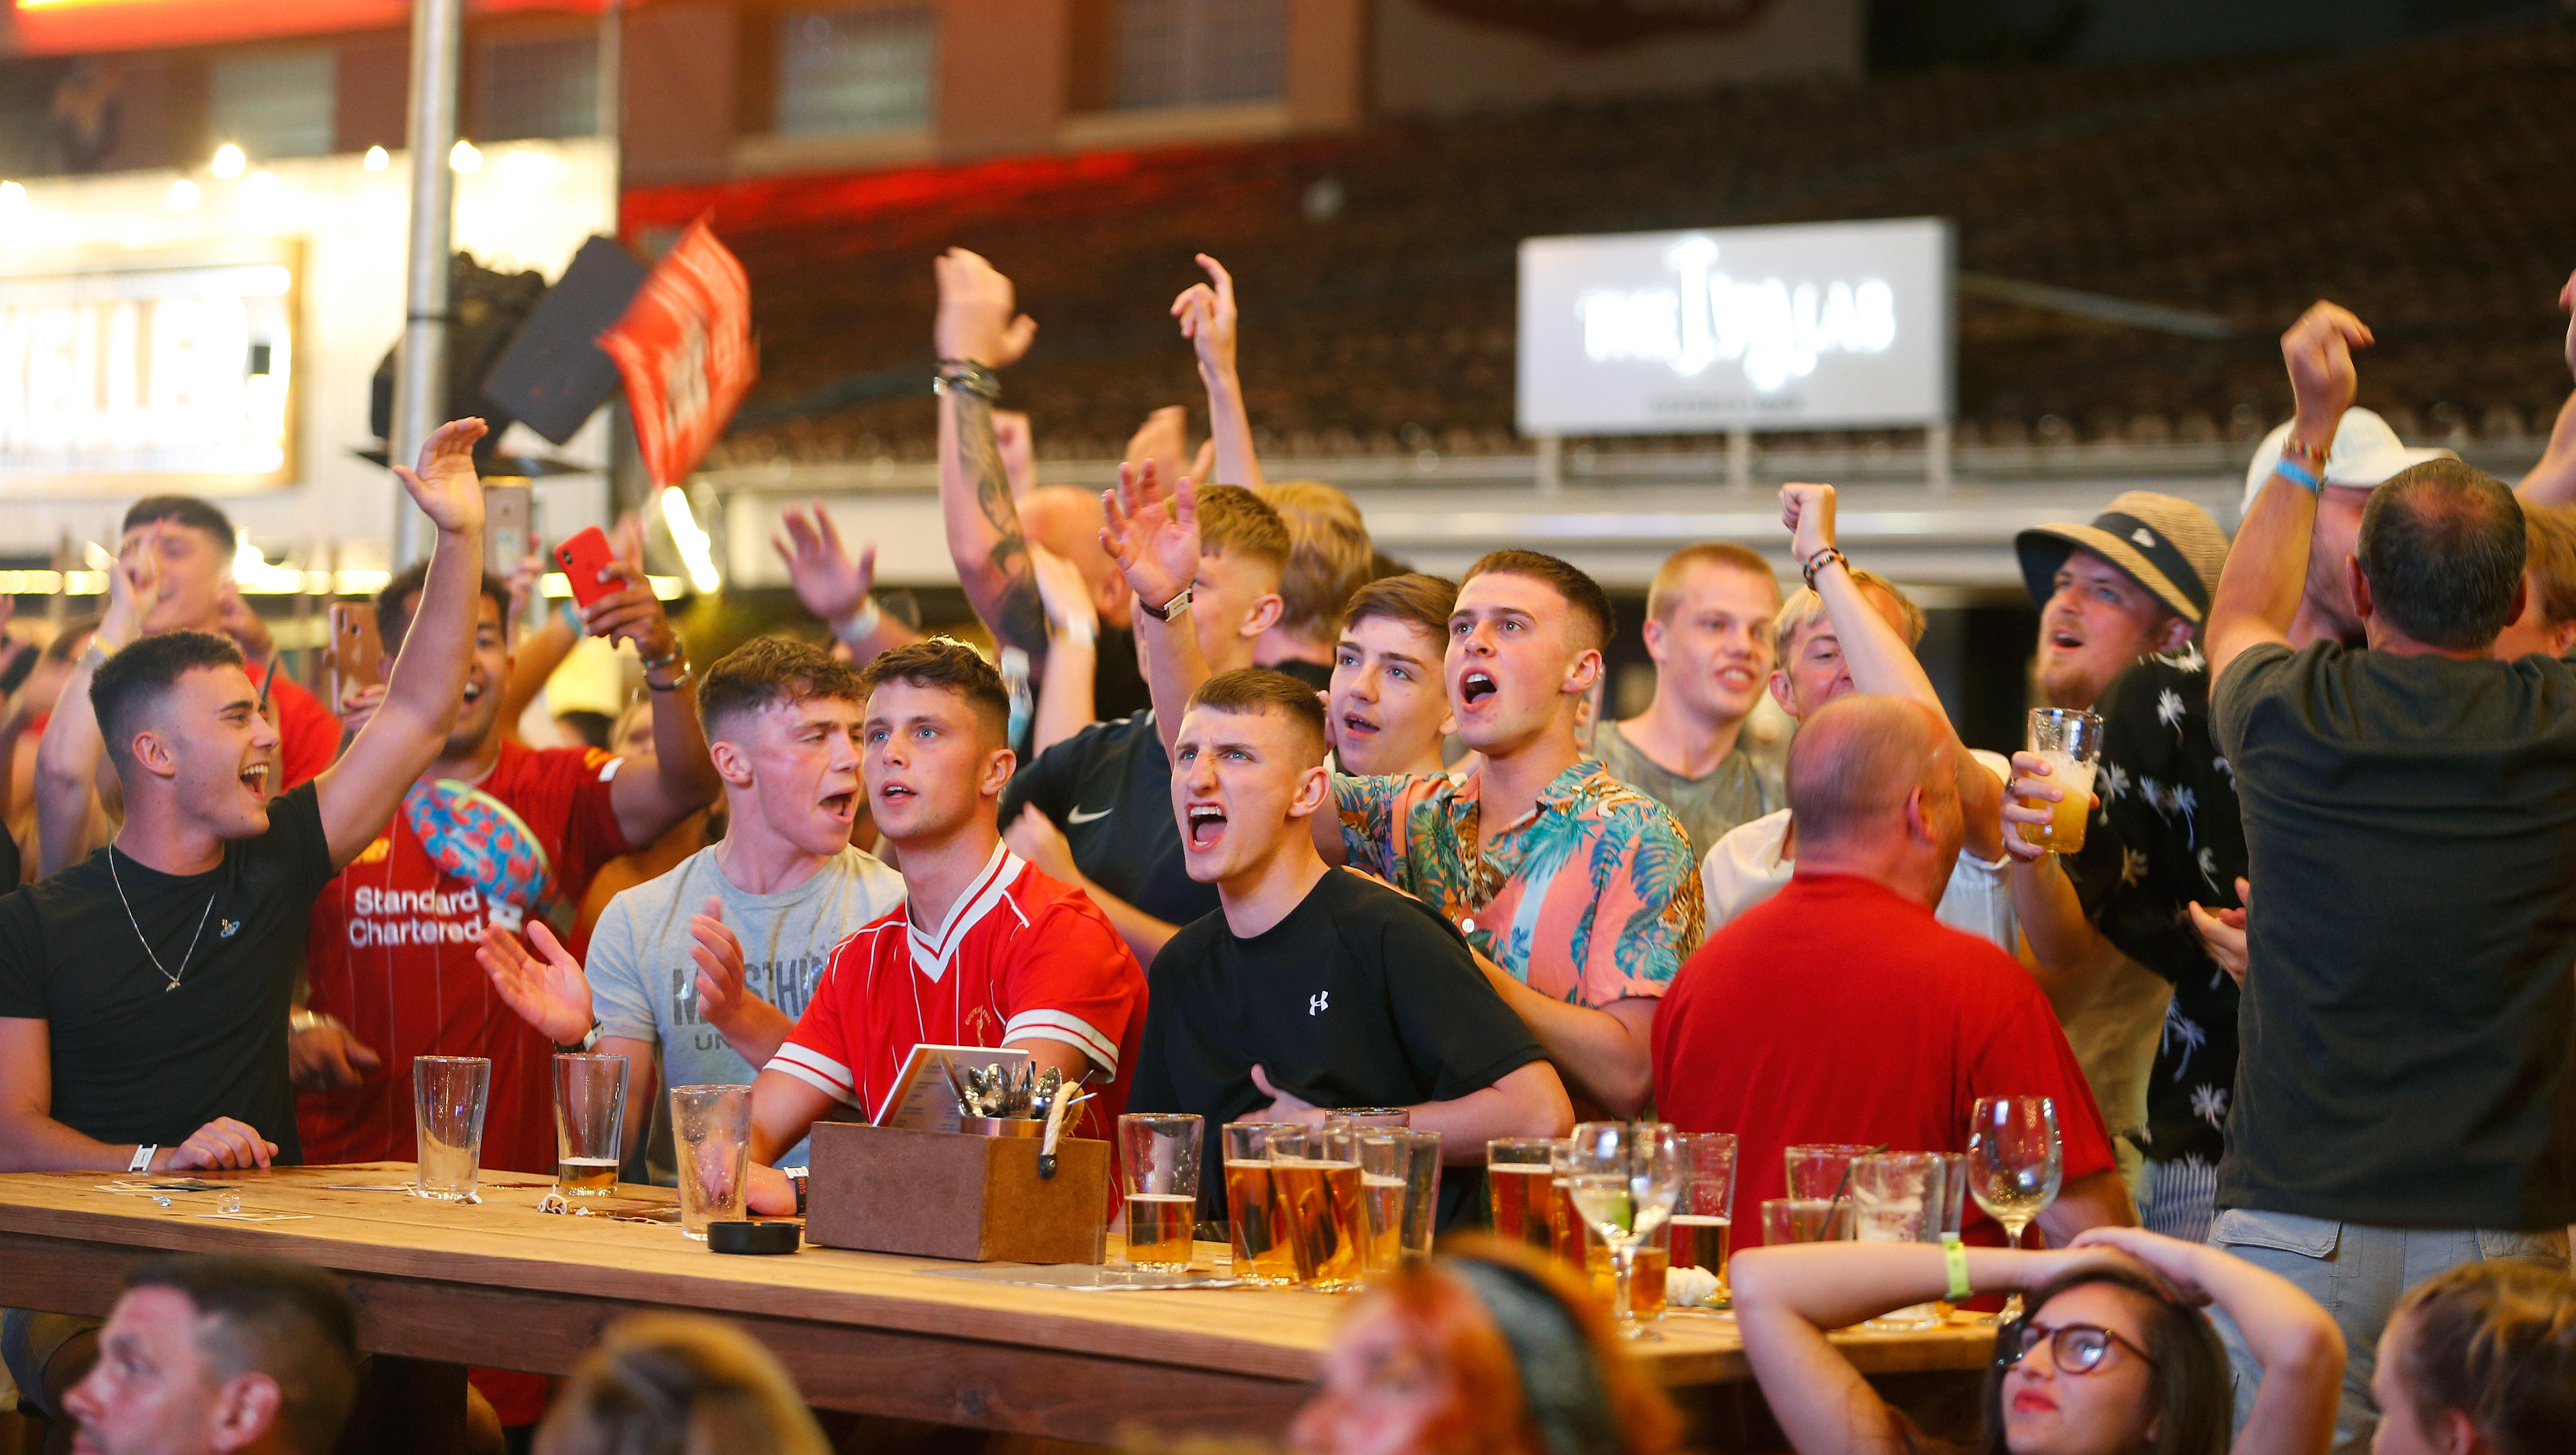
x=582, y=557
x=357, y=653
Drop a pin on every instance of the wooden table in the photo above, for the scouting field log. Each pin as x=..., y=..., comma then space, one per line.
x=441, y=1285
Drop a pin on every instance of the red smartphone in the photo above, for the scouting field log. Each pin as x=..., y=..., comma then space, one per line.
x=583, y=556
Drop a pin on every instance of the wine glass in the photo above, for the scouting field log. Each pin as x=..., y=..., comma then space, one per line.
x=2015, y=1163
x=1625, y=1179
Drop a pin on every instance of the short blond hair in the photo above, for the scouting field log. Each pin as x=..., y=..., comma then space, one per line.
x=2549, y=546
x=1233, y=520
x=1805, y=608
x=1663, y=598
x=1328, y=554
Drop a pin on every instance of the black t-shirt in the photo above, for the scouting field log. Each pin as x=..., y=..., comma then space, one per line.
x=2409, y=1019
x=1117, y=683
x=1109, y=787
x=135, y=1060
x=1360, y=997
x=2169, y=835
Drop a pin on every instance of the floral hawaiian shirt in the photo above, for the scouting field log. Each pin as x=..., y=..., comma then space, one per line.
x=1591, y=898
x=2173, y=837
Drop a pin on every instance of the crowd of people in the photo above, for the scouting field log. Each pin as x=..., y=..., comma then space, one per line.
x=1239, y=818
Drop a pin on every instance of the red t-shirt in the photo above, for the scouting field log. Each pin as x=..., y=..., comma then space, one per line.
x=1839, y=1011
x=391, y=953
x=1021, y=957
x=308, y=735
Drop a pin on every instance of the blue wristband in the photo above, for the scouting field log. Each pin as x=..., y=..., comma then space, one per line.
x=2297, y=474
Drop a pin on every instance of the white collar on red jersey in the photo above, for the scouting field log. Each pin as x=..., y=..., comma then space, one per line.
x=932, y=952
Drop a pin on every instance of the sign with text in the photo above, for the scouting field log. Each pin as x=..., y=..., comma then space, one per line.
x=1813, y=326
x=684, y=348
x=169, y=371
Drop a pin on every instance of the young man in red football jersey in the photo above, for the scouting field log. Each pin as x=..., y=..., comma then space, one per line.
x=494, y=832
x=985, y=950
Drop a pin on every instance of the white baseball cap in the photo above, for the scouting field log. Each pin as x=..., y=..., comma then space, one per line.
x=2366, y=452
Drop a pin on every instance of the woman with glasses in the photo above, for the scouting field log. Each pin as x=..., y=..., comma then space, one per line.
x=2112, y=1357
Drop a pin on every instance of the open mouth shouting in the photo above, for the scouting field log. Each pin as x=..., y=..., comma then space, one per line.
x=2065, y=635
x=1207, y=827
x=840, y=805
x=255, y=778
x=1475, y=686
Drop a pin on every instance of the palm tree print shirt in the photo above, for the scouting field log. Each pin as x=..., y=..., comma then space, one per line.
x=1591, y=898
x=2168, y=834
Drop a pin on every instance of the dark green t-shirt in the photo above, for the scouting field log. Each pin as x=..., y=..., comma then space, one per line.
x=2408, y=1026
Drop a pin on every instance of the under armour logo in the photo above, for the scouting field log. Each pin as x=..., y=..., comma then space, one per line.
x=1319, y=1002
x=2144, y=537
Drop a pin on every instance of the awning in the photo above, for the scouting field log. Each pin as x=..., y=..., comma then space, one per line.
x=71, y=27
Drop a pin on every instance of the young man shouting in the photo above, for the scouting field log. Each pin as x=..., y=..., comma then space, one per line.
x=144, y=990
x=985, y=951
x=1316, y=987
x=1387, y=711
x=697, y=977
x=1576, y=888
x=491, y=835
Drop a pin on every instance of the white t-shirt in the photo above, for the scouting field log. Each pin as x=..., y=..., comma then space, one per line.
x=1745, y=868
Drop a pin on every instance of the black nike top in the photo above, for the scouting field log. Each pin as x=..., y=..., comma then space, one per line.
x=1109, y=787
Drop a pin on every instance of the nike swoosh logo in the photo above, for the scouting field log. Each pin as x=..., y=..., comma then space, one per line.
x=1078, y=816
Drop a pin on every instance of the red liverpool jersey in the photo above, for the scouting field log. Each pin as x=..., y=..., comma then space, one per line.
x=391, y=953
x=1022, y=957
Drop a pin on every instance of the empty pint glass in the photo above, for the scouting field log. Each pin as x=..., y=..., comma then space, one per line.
x=1158, y=1159
x=711, y=1142
x=1899, y=1197
x=2070, y=743
x=590, y=1123
x=448, y=1095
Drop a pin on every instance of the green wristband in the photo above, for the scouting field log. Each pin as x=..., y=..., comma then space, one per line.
x=1955, y=1253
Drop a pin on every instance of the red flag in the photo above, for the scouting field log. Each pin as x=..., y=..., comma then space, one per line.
x=685, y=349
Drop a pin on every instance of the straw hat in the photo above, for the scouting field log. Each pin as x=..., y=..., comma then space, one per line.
x=2169, y=546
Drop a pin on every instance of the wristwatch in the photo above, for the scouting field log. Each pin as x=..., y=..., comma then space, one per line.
x=589, y=1039
x=1169, y=609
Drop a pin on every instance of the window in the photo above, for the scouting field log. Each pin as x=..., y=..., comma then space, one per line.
x=536, y=88
x=1200, y=52
x=855, y=70
x=278, y=104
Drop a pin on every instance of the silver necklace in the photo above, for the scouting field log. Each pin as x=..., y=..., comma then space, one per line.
x=119, y=881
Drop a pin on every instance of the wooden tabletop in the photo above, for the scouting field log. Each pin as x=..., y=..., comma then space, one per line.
x=502, y=1284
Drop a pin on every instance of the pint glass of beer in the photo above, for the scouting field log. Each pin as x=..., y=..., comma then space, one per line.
x=1158, y=1161
x=1317, y=1172
x=1263, y=1252
x=1704, y=1214
x=2070, y=743
x=1520, y=1190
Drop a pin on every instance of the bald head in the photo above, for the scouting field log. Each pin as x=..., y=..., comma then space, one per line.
x=1854, y=764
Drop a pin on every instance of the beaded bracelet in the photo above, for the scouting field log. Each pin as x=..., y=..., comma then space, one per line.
x=1816, y=562
x=969, y=377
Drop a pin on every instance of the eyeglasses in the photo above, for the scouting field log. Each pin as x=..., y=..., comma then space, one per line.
x=2074, y=1348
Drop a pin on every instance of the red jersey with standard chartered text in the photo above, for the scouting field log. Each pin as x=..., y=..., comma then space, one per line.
x=1021, y=957
x=391, y=953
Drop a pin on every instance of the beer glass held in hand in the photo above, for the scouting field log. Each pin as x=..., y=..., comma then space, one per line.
x=2070, y=743
x=1158, y=1162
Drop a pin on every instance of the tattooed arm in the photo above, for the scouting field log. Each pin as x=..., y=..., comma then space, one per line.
x=978, y=320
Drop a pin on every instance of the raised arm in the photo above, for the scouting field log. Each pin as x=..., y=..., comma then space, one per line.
x=835, y=587
x=1206, y=312
x=1067, y=700
x=679, y=779
x=2296, y=1343
x=358, y=794
x=2553, y=480
x=1787, y=1297
x=2069, y=956
x=1880, y=661
x=70, y=820
x=2266, y=572
x=979, y=325
x=1154, y=538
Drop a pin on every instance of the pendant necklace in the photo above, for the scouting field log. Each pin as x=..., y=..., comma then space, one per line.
x=119, y=881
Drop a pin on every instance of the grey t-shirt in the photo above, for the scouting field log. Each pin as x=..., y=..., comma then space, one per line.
x=1745, y=784
x=644, y=983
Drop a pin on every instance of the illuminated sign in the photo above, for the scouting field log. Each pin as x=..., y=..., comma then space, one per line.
x=172, y=369
x=1820, y=326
